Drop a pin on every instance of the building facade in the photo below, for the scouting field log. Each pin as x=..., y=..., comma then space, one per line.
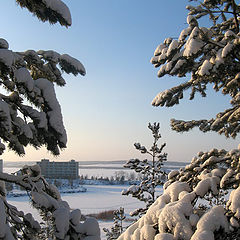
x=1, y=165
x=59, y=170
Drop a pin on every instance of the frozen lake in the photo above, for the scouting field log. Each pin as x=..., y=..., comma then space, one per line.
x=98, y=198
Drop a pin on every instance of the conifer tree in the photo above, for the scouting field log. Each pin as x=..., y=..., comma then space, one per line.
x=31, y=76
x=117, y=229
x=200, y=201
x=204, y=56
x=151, y=172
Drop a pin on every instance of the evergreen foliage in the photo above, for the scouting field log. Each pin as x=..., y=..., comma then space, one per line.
x=31, y=76
x=200, y=201
x=48, y=10
x=207, y=56
x=117, y=229
x=151, y=173
x=31, y=115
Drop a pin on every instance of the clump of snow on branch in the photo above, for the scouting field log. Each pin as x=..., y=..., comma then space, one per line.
x=67, y=62
x=54, y=113
x=61, y=8
x=211, y=221
x=49, y=10
x=3, y=44
x=234, y=203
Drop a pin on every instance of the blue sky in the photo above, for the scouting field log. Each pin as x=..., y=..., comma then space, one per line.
x=108, y=110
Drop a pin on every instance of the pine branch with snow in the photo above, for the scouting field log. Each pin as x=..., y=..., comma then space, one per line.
x=205, y=55
x=31, y=75
x=37, y=121
x=200, y=201
x=48, y=10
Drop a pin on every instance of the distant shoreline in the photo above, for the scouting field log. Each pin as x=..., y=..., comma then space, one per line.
x=90, y=164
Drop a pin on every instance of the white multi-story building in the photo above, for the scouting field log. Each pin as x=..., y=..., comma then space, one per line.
x=1, y=165
x=56, y=170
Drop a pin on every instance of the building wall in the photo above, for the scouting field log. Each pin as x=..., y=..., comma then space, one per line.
x=64, y=170
x=1, y=165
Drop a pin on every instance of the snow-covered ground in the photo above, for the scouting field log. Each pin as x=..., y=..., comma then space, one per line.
x=98, y=198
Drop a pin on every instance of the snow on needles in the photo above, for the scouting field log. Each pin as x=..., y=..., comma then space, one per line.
x=4, y=43
x=61, y=8
x=23, y=76
x=54, y=113
x=6, y=121
x=6, y=57
x=75, y=65
x=177, y=213
x=173, y=211
x=210, y=222
x=234, y=202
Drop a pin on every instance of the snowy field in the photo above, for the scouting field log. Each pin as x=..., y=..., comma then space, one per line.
x=98, y=198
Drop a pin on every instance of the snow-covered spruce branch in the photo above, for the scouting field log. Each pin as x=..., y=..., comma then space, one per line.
x=14, y=223
x=195, y=203
x=31, y=75
x=48, y=10
x=150, y=171
x=226, y=123
x=65, y=223
x=216, y=10
x=208, y=55
x=19, y=180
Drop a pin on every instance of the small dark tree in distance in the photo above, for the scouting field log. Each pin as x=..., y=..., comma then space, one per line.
x=117, y=229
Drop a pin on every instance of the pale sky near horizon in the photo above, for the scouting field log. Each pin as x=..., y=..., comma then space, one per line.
x=107, y=111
